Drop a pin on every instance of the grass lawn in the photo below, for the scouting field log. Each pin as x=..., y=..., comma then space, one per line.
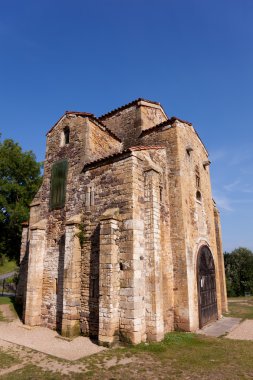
x=6, y=360
x=240, y=307
x=182, y=356
x=8, y=301
x=9, y=266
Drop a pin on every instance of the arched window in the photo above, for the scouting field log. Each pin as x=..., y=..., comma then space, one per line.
x=198, y=196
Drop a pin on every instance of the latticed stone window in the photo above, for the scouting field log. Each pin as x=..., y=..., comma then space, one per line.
x=58, y=184
x=197, y=176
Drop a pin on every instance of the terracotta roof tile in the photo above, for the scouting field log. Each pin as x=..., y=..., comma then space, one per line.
x=123, y=153
x=106, y=128
x=174, y=118
x=145, y=147
x=163, y=124
x=108, y=114
x=170, y=121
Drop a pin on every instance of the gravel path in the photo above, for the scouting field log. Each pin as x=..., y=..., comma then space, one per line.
x=47, y=341
x=242, y=332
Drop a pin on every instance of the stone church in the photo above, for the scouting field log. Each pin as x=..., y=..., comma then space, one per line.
x=124, y=239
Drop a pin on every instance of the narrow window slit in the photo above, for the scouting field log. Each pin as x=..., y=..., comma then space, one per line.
x=66, y=135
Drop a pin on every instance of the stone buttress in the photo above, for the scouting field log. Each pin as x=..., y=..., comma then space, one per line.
x=119, y=227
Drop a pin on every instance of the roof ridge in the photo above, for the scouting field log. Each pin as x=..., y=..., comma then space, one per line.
x=69, y=113
x=163, y=123
x=174, y=118
x=78, y=113
x=123, y=152
x=127, y=106
x=89, y=115
x=106, y=128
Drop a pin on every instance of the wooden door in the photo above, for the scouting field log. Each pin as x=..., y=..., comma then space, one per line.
x=206, y=287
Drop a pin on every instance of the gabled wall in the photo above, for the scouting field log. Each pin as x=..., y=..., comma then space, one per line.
x=87, y=141
x=129, y=122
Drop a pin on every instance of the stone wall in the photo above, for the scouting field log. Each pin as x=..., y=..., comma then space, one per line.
x=82, y=146
x=128, y=123
x=118, y=254
x=193, y=221
x=119, y=260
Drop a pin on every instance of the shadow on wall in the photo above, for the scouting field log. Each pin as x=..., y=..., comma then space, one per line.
x=59, y=284
x=93, y=297
x=19, y=302
x=94, y=285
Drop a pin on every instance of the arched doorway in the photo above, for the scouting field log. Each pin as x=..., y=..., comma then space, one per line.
x=206, y=287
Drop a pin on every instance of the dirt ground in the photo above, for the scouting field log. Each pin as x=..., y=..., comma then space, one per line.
x=184, y=356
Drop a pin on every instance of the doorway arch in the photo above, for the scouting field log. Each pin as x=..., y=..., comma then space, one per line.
x=206, y=286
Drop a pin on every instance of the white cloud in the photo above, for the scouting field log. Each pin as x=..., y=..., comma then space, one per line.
x=232, y=186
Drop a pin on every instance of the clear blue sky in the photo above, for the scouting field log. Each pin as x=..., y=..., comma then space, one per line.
x=193, y=56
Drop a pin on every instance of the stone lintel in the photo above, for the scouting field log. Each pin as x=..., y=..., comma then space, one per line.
x=41, y=225
x=153, y=169
x=111, y=213
x=76, y=219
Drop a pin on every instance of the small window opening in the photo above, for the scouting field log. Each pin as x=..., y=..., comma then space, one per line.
x=66, y=135
x=161, y=194
x=121, y=266
x=189, y=150
x=197, y=181
x=197, y=177
x=198, y=196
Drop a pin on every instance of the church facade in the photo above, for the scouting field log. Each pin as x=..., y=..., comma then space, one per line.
x=124, y=239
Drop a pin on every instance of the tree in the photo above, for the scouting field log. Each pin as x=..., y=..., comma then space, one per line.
x=239, y=272
x=20, y=179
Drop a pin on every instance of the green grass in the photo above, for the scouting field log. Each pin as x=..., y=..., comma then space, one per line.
x=180, y=356
x=7, y=360
x=9, y=266
x=240, y=307
x=11, y=302
x=32, y=372
x=6, y=300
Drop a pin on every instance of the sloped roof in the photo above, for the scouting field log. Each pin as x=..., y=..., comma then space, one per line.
x=170, y=121
x=126, y=152
x=89, y=115
x=128, y=105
